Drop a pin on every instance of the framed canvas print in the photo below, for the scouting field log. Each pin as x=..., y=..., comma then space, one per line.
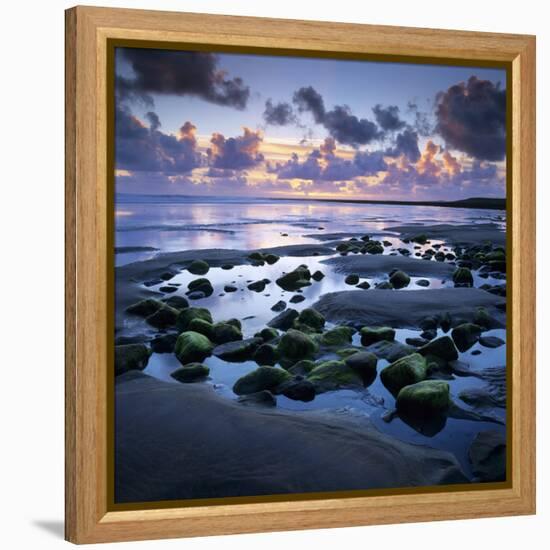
x=300, y=274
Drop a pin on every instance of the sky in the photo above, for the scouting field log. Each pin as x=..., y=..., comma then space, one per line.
x=211, y=124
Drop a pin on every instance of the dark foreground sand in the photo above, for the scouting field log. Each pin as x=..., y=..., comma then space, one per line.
x=184, y=441
x=406, y=309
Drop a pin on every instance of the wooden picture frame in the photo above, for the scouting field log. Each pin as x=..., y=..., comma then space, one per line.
x=89, y=517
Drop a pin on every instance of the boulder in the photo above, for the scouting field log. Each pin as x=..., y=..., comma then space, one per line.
x=400, y=279
x=226, y=332
x=177, y=302
x=145, y=308
x=200, y=285
x=463, y=277
x=296, y=345
x=131, y=357
x=198, y=267
x=164, y=343
x=164, y=317
x=370, y=335
x=404, y=372
x=267, y=334
x=312, y=318
x=298, y=390
x=487, y=455
x=266, y=354
x=238, y=351
x=364, y=364
x=192, y=347
x=442, y=347
x=338, y=336
x=333, y=375
x=284, y=320
x=352, y=279
x=201, y=326
x=263, y=378
x=466, y=335
x=191, y=372
x=271, y=258
x=296, y=279
x=187, y=315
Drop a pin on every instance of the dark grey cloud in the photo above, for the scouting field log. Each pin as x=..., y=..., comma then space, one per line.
x=388, y=117
x=235, y=153
x=340, y=122
x=139, y=148
x=471, y=117
x=406, y=143
x=422, y=120
x=278, y=114
x=179, y=73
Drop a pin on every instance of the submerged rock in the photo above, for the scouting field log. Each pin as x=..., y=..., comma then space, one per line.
x=465, y=336
x=198, y=267
x=370, y=335
x=404, y=372
x=491, y=341
x=487, y=455
x=298, y=390
x=262, y=398
x=192, y=372
x=238, y=351
x=442, y=347
x=192, y=347
x=131, y=357
x=263, y=378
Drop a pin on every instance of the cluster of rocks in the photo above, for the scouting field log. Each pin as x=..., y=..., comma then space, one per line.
x=364, y=245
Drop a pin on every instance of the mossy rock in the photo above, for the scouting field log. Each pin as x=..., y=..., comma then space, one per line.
x=187, y=315
x=296, y=345
x=373, y=247
x=364, y=364
x=267, y=334
x=344, y=353
x=338, y=336
x=312, y=318
x=163, y=318
x=200, y=285
x=202, y=327
x=198, y=267
x=420, y=239
x=239, y=350
x=284, y=320
x=370, y=335
x=271, y=258
x=484, y=319
x=131, y=357
x=424, y=399
x=177, y=302
x=441, y=347
x=192, y=372
x=224, y=332
x=302, y=368
x=400, y=279
x=352, y=279
x=263, y=378
x=266, y=354
x=145, y=308
x=333, y=375
x=256, y=256
x=466, y=335
x=235, y=323
x=296, y=279
x=403, y=372
x=463, y=277
x=192, y=347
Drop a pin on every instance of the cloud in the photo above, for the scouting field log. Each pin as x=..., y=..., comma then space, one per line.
x=280, y=114
x=388, y=118
x=140, y=148
x=406, y=143
x=170, y=72
x=471, y=117
x=323, y=164
x=422, y=123
x=235, y=153
x=340, y=122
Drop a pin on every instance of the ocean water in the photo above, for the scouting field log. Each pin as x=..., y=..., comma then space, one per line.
x=168, y=224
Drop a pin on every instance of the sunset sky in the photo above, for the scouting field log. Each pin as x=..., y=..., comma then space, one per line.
x=196, y=123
